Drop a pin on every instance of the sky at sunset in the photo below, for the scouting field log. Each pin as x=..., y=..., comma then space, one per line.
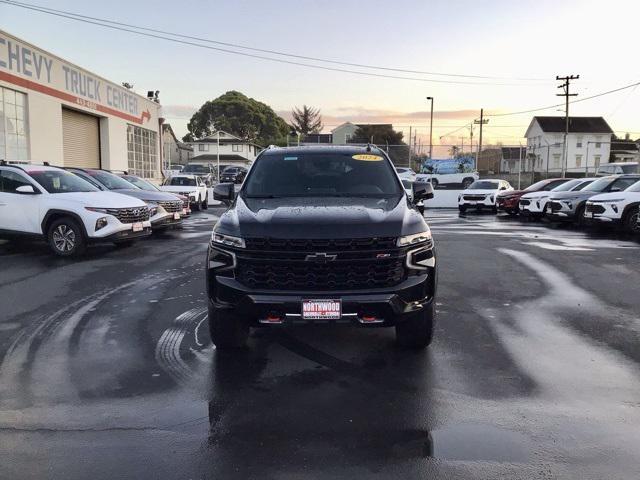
x=522, y=45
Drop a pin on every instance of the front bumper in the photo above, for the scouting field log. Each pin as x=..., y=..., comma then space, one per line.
x=122, y=236
x=165, y=221
x=508, y=203
x=387, y=305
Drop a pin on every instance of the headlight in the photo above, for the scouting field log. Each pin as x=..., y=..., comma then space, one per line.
x=228, y=240
x=98, y=210
x=153, y=208
x=613, y=200
x=414, y=239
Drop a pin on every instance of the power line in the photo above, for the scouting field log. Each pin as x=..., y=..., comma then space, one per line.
x=161, y=34
x=562, y=104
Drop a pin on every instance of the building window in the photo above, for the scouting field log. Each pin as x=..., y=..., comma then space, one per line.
x=579, y=142
x=598, y=144
x=556, y=160
x=347, y=137
x=203, y=147
x=578, y=161
x=236, y=147
x=14, y=136
x=142, y=152
x=597, y=160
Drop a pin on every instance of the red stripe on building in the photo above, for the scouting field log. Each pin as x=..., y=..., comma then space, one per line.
x=28, y=84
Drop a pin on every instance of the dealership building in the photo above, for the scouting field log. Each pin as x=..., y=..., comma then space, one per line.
x=54, y=111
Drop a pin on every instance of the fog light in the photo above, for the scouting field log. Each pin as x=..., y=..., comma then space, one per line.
x=614, y=207
x=101, y=223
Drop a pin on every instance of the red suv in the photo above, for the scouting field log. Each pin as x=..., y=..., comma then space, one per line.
x=508, y=201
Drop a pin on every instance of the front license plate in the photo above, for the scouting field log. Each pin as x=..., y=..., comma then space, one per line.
x=176, y=216
x=324, y=309
x=137, y=227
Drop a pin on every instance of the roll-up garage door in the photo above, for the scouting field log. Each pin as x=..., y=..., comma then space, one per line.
x=80, y=139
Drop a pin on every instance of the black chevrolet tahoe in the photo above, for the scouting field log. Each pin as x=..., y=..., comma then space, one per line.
x=321, y=235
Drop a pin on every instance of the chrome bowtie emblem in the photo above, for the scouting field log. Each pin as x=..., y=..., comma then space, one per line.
x=320, y=257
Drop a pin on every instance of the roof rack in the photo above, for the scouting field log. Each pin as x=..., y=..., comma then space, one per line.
x=17, y=163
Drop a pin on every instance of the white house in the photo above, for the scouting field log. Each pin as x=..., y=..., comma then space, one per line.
x=233, y=150
x=588, y=143
x=173, y=150
x=344, y=133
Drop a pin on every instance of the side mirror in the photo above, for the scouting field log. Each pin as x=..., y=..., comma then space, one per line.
x=422, y=191
x=503, y=188
x=224, y=192
x=26, y=190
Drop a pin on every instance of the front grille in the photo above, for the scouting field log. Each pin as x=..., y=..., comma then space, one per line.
x=594, y=208
x=555, y=206
x=474, y=197
x=316, y=245
x=172, y=206
x=130, y=215
x=525, y=202
x=298, y=274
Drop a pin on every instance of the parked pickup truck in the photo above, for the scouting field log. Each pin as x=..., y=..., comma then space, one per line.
x=191, y=186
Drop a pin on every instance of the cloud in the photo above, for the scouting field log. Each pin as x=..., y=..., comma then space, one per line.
x=337, y=116
x=183, y=112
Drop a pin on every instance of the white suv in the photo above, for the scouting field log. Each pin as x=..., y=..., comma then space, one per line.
x=537, y=203
x=191, y=186
x=482, y=193
x=620, y=208
x=49, y=202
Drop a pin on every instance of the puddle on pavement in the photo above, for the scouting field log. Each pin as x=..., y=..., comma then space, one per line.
x=479, y=443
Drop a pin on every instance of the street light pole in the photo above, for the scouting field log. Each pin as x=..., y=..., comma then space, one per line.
x=431, y=130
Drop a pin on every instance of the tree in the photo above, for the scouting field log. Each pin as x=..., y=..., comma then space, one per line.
x=381, y=135
x=307, y=120
x=239, y=115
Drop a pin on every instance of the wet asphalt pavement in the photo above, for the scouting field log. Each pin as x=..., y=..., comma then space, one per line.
x=108, y=371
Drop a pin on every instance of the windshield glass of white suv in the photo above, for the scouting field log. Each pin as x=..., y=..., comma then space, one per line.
x=483, y=185
x=322, y=175
x=61, y=181
x=599, y=184
x=566, y=186
x=634, y=188
x=629, y=168
x=181, y=182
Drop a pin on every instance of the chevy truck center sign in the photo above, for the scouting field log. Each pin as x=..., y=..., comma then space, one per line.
x=24, y=65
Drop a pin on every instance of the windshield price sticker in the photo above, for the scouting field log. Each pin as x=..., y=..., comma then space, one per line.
x=321, y=309
x=367, y=157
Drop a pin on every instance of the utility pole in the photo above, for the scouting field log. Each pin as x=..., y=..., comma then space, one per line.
x=409, y=147
x=482, y=121
x=431, y=130
x=565, y=86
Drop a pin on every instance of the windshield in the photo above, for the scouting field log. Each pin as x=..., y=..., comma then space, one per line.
x=231, y=170
x=181, y=182
x=111, y=181
x=566, y=186
x=629, y=168
x=634, y=188
x=483, y=185
x=599, y=185
x=322, y=175
x=140, y=183
x=536, y=186
x=61, y=181
x=201, y=169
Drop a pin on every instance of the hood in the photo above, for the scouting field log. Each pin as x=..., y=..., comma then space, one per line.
x=603, y=197
x=481, y=192
x=178, y=188
x=579, y=194
x=313, y=217
x=511, y=193
x=101, y=199
x=148, y=195
x=538, y=194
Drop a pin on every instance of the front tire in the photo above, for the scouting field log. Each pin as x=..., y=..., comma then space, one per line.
x=205, y=204
x=462, y=208
x=198, y=205
x=66, y=238
x=227, y=330
x=416, y=332
x=631, y=221
x=579, y=219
